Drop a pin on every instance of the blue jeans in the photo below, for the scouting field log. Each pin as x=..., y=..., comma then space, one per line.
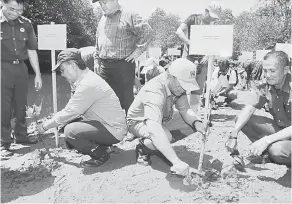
x=89, y=137
x=260, y=126
x=120, y=75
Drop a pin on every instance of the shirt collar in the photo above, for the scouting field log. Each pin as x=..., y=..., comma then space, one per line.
x=20, y=20
x=2, y=17
x=286, y=85
x=77, y=82
x=110, y=15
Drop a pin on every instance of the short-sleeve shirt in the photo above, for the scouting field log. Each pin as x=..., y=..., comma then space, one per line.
x=16, y=38
x=193, y=19
x=94, y=99
x=223, y=80
x=279, y=101
x=155, y=102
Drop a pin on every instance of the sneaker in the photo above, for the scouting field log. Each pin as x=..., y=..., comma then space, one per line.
x=94, y=162
x=142, y=154
x=5, y=153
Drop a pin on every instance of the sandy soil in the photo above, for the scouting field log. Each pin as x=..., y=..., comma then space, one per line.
x=43, y=173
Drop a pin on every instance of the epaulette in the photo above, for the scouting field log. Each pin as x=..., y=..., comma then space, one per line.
x=22, y=18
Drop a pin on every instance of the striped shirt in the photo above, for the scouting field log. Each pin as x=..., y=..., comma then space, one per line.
x=120, y=34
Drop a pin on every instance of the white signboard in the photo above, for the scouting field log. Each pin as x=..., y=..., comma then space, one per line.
x=211, y=40
x=52, y=37
x=261, y=53
x=155, y=52
x=285, y=48
x=173, y=51
x=247, y=55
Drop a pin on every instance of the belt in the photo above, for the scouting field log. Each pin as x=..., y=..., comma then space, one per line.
x=111, y=60
x=13, y=61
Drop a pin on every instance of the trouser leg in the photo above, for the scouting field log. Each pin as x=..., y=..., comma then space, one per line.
x=127, y=82
x=120, y=76
x=259, y=127
x=20, y=96
x=86, y=136
x=7, y=91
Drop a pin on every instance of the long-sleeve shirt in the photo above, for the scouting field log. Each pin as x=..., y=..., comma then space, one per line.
x=120, y=34
x=93, y=99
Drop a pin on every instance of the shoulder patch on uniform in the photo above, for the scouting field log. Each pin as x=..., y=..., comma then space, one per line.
x=25, y=19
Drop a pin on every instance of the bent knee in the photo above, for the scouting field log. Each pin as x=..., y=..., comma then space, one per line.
x=69, y=131
x=280, y=153
x=232, y=94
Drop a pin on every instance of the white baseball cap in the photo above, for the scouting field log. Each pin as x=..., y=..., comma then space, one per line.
x=185, y=72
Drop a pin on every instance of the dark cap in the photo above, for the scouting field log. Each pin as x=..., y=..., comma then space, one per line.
x=93, y=1
x=67, y=55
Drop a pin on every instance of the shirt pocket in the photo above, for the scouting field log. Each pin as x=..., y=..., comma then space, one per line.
x=21, y=36
x=287, y=104
x=5, y=35
x=123, y=30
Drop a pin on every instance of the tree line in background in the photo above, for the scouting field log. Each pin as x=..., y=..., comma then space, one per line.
x=259, y=28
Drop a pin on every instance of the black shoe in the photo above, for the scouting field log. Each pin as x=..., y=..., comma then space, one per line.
x=94, y=162
x=142, y=154
x=30, y=140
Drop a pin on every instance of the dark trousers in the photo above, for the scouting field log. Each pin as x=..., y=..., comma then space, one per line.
x=89, y=138
x=120, y=75
x=260, y=126
x=14, y=88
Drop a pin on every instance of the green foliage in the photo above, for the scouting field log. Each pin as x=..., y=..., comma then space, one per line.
x=262, y=28
x=79, y=15
x=164, y=26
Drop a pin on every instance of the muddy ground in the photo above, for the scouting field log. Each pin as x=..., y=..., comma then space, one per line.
x=43, y=173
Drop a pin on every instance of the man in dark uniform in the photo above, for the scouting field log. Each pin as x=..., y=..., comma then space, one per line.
x=18, y=43
x=183, y=32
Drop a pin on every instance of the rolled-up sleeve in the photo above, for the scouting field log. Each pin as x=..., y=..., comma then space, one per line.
x=260, y=100
x=143, y=30
x=182, y=104
x=153, y=106
x=79, y=103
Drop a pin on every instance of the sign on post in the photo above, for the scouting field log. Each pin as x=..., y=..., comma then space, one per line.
x=260, y=54
x=53, y=37
x=211, y=40
x=285, y=47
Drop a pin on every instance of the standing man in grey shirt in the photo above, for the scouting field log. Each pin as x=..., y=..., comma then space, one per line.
x=121, y=37
x=103, y=121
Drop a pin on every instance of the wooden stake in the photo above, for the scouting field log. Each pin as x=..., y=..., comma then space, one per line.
x=207, y=112
x=54, y=83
